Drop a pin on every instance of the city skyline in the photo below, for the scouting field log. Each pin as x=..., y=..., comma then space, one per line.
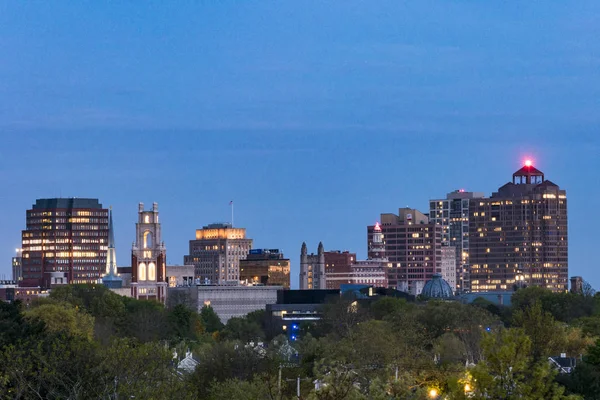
x=312, y=118
x=295, y=265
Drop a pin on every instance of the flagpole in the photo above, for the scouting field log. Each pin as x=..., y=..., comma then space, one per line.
x=231, y=204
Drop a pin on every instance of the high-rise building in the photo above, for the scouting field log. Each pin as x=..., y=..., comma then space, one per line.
x=449, y=265
x=412, y=246
x=338, y=267
x=148, y=257
x=111, y=279
x=452, y=214
x=267, y=267
x=17, y=267
x=216, y=253
x=67, y=237
x=312, y=268
x=520, y=231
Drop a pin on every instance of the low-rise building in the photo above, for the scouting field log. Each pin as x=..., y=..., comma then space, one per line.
x=226, y=301
x=180, y=275
x=266, y=267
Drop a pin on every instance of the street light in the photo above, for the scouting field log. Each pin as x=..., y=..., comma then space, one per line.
x=433, y=393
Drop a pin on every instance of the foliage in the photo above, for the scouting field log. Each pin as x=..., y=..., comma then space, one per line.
x=210, y=320
x=242, y=329
x=585, y=380
x=510, y=372
x=184, y=323
x=64, y=318
x=239, y=390
x=84, y=341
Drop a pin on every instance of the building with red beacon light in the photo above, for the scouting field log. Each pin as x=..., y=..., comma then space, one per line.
x=410, y=245
x=520, y=234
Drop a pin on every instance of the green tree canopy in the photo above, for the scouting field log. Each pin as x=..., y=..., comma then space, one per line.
x=62, y=317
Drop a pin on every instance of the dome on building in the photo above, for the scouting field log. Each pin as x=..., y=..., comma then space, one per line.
x=437, y=288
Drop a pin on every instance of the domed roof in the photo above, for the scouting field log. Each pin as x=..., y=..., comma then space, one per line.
x=437, y=288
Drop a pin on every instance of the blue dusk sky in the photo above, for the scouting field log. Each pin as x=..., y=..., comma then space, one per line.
x=313, y=116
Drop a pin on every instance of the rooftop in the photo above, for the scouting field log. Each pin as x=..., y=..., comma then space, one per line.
x=68, y=203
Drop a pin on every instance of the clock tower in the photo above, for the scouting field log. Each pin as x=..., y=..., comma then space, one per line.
x=148, y=257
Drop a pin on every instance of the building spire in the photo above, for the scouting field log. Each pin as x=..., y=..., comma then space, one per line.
x=111, y=235
x=111, y=279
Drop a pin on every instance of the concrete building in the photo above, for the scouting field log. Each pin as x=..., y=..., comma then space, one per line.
x=148, y=257
x=216, y=253
x=64, y=235
x=266, y=267
x=411, y=244
x=312, y=268
x=521, y=230
x=448, y=270
x=338, y=267
x=452, y=214
x=180, y=275
x=226, y=301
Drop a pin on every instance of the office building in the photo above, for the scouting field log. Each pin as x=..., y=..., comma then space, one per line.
x=411, y=244
x=66, y=236
x=312, y=268
x=338, y=267
x=342, y=268
x=216, y=253
x=452, y=214
x=520, y=232
x=369, y=272
x=448, y=271
x=148, y=257
x=266, y=267
x=17, y=267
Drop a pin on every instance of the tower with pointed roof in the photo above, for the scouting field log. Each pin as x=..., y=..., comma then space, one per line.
x=312, y=268
x=520, y=231
x=111, y=280
x=148, y=257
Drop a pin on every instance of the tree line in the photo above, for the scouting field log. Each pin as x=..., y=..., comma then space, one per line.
x=86, y=342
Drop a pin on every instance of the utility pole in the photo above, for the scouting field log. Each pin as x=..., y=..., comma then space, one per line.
x=298, y=387
x=279, y=382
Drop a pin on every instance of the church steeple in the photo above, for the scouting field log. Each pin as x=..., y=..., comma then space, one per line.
x=111, y=279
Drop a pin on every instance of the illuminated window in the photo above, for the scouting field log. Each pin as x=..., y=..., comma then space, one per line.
x=147, y=219
x=147, y=239
x=151, y=272
x=142, y=272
